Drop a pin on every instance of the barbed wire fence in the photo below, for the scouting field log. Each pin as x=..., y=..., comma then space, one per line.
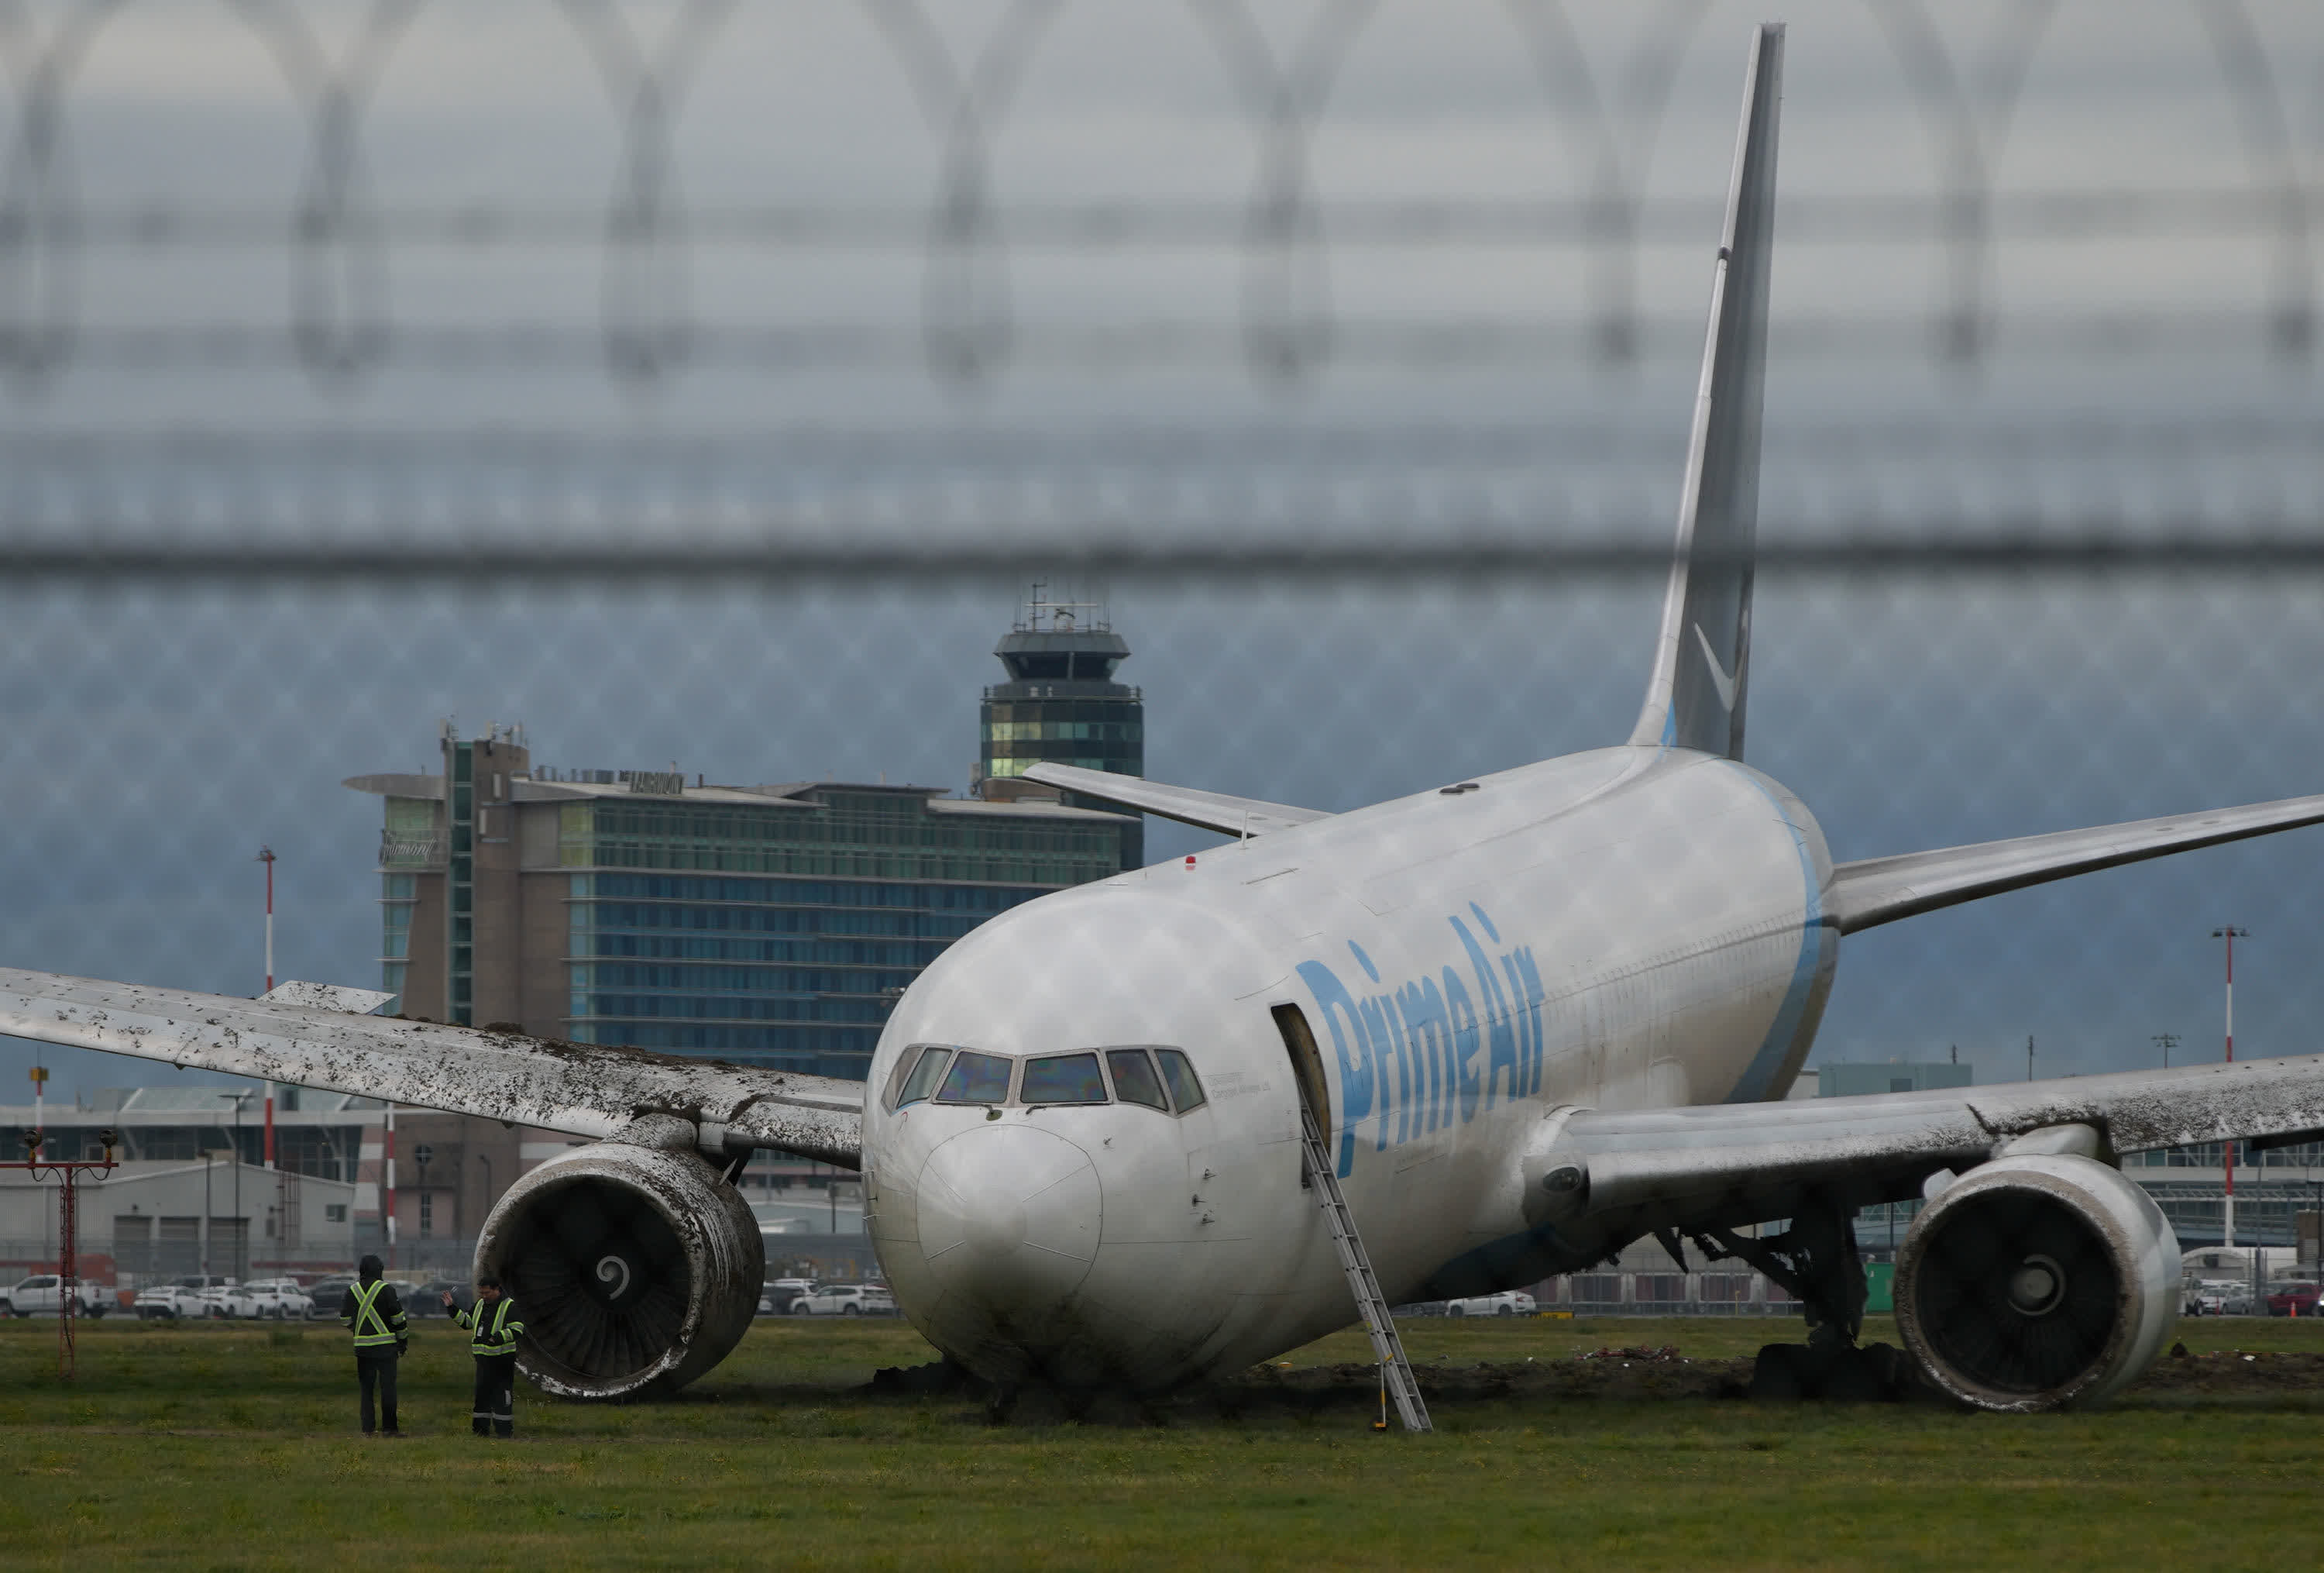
x=1977, y=619
x=1605, y=104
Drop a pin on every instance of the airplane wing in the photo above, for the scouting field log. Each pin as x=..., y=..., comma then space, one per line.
x=1881, y=890
x=583, y=1089
x=1208, y=810
x=1721, y=1164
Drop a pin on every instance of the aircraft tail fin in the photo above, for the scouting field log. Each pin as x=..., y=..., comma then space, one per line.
x=1695, y=696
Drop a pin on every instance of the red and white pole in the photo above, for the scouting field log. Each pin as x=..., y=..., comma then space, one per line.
x=266, y=856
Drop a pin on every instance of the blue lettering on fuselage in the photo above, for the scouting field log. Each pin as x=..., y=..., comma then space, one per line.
x=1408, y=1053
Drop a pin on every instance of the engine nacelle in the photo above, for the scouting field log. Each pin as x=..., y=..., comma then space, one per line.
x=2035, y=1281
x=636, y=1268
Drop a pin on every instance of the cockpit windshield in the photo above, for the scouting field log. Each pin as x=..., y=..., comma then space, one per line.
x=976, y=1079
x=1128, y=1074
x=1063, y=1078
x=924, y=1076
x=1134, y=1080
x=1185, y=1088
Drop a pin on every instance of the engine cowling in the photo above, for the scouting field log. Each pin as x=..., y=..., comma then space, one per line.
x=636, y=1268
x=2037, y=1282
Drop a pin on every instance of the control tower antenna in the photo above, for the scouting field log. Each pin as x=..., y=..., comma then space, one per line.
x=1064, y=613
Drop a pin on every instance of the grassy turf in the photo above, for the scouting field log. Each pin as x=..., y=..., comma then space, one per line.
x=230, y=1445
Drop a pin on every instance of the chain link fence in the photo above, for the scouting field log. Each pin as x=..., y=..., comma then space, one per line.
x=703, y=386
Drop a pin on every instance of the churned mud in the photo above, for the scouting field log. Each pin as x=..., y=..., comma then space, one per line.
x=1617, y=1373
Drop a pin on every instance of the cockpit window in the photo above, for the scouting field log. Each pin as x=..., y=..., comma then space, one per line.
x=1062, y=1079
x=976, y=1079
x=965, y=1076
x=922, y=1081
x=1185, y=1090
x=1134, y=1081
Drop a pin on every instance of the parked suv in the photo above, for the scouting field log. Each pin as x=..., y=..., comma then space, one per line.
x=175, y=1299
x=223, y=1302
x=325, y=1295
x=777, y=1295
x=281, y=1298
x=2296, y=1300
x=1509, y=1302
x=42, y=1294
x=844, y=1299
x=428, y=1299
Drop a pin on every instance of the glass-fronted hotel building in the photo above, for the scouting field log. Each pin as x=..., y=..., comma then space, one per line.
x=768, y=925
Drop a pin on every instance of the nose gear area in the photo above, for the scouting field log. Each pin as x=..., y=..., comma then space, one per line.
x=1010, y=1219
x=1048, y=1235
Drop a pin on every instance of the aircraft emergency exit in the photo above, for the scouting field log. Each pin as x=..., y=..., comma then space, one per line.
x=1528, y=1018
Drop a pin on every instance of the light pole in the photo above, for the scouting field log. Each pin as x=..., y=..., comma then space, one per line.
x=2230, y=933
x=421, y=1155
x=2167, y=1041
x=388, y=1212
x=266, y=856
x=242, y=1266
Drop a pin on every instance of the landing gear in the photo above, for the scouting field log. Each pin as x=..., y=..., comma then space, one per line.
x=1816, y=1261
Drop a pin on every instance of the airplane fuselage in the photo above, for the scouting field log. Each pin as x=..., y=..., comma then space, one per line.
x=1628, y=927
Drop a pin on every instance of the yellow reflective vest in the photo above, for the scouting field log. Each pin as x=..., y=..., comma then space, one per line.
x=375, y=1330
x=496, y=1326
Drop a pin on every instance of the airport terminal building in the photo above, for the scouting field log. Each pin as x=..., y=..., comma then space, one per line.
x=768, y=925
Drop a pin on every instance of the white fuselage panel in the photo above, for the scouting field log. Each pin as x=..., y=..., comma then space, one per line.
x=1626, y=928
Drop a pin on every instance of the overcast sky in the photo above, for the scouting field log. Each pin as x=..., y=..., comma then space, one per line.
x=764, y=359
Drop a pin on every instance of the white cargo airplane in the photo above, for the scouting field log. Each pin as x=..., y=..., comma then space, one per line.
x=1535, y=1016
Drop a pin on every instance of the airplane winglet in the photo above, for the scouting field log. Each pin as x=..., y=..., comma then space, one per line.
x=1695, y=698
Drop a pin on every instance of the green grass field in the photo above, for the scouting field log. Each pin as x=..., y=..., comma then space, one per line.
x=232, y=1446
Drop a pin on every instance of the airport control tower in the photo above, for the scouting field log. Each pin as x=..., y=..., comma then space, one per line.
x=1061, y=703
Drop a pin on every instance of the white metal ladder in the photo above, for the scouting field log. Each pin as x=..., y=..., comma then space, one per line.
x=1396, y=1371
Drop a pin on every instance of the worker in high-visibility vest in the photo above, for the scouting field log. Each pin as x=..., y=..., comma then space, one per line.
x=370, y=1311
x=495, y=1331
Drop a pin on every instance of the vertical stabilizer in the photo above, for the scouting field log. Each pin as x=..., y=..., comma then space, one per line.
x=1703, y=657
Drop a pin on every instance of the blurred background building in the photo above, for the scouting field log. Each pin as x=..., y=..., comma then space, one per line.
x=766, y=925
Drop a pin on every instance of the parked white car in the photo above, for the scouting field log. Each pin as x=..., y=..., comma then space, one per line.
x=224, y=1302
x=177, y=1298
x=2218, y=1299
x=281, y=1298
x=777, y=1295
x=42, y=1294
x=844, y=1299
x=1509, y=1302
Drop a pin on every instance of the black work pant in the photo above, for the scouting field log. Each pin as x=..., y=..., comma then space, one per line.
x=377, y=1371
x=495, y=1409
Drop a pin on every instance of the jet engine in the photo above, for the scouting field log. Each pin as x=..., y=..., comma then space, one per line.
x=634, y=1265
x=2035, y=1281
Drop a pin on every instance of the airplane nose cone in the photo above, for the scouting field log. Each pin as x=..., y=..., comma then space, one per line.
x=1009, y=1217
